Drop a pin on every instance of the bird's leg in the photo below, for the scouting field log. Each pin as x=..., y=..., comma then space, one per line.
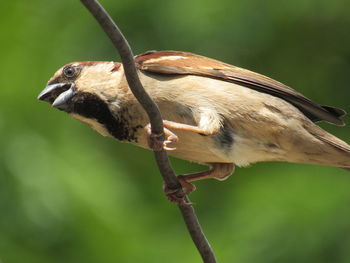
x=156, y=144
x=209, y=123
x=219, y=171
x=186, y=127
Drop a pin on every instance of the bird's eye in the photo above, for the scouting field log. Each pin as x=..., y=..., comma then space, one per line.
x=69, y=72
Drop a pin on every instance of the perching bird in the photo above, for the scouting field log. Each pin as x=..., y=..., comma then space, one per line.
x=214, y=113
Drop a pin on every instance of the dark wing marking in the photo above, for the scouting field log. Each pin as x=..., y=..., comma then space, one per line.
x=183, y=63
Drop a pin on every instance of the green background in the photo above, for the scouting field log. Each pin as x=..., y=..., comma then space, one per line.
x=68, y=194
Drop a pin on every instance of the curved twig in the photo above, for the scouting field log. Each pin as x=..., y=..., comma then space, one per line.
x=155, y=118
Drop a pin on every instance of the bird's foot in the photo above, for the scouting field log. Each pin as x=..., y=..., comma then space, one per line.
x=156, y=143
x=178, y=195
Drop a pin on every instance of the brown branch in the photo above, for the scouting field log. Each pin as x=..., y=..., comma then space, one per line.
x=155, y=118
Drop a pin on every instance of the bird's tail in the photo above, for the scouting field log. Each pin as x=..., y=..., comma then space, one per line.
x=331, y=151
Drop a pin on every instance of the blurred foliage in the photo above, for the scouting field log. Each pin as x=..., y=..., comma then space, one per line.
x=70, y=195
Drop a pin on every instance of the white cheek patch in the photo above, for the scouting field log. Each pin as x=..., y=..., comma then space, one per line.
x=94, y=124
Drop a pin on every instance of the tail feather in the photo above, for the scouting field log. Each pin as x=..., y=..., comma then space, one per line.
x=336, y=152
x=328, y=138
x=335, y=111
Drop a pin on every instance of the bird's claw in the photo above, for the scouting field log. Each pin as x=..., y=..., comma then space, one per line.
x=171, y=139
x=156, y=143
x=178, y=195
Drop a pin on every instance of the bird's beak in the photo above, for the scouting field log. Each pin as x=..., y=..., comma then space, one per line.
x=57, y=94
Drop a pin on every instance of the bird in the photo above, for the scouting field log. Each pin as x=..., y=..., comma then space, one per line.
x=214, y=113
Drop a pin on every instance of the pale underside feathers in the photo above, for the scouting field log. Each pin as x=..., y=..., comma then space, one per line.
x=184, y=63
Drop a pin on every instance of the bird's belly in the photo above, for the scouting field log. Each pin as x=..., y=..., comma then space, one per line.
x=237, y=149
x=250, y=150
x=197, y=148
x=224, y=147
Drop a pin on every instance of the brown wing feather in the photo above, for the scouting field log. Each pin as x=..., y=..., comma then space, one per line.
x=176, y=62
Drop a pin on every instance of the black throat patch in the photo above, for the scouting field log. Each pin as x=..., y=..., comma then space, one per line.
x=91, y=106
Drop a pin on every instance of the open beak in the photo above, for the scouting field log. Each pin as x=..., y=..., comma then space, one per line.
x=57, y=94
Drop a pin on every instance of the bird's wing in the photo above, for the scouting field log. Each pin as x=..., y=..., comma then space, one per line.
x=183, y=63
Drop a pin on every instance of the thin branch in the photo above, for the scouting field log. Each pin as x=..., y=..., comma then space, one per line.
x=156, y=121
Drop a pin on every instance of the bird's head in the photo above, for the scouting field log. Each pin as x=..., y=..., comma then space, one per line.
x=82, y=84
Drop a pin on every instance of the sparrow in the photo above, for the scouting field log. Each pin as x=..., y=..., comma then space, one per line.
x=214, y=113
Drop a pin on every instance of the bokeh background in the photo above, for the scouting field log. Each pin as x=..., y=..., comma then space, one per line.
x=68, y=194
